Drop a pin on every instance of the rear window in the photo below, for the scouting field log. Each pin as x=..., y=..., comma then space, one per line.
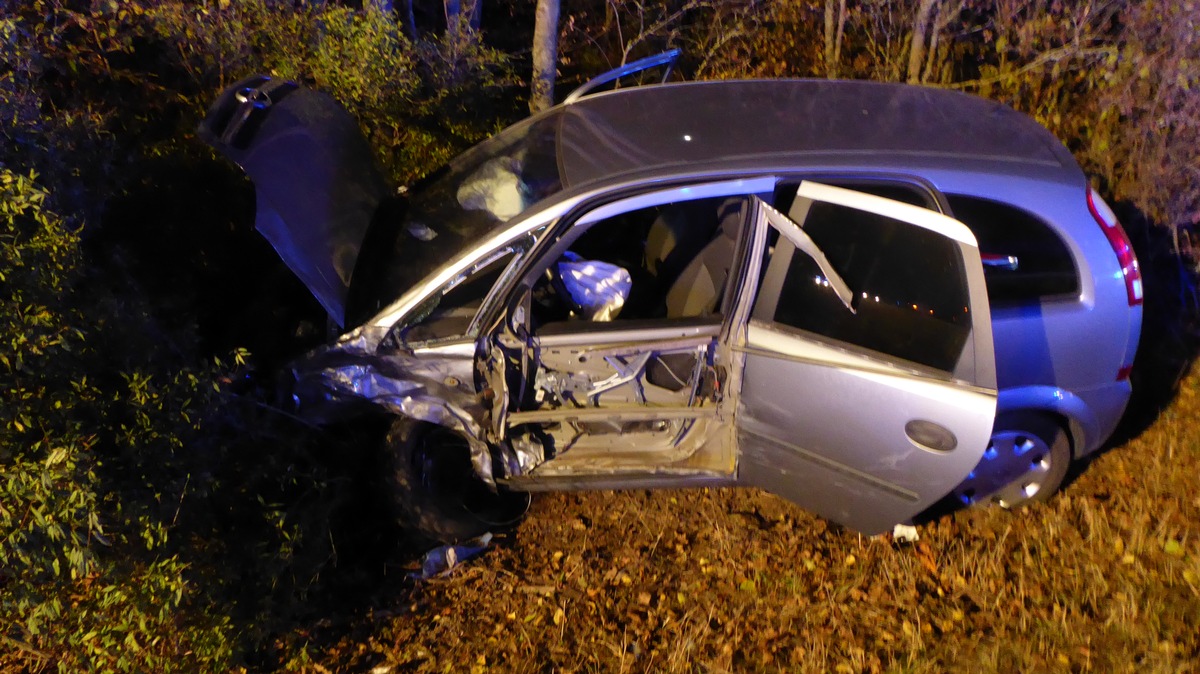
x=1043, y=266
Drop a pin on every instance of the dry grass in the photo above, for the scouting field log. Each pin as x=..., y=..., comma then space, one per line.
x=1106, y=578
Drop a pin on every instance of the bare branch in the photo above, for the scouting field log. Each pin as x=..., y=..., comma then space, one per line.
x=1066, y=53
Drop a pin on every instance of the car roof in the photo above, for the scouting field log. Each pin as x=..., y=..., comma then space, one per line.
x=801, y=124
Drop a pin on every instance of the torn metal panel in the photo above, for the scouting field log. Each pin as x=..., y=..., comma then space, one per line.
x=599, y=414
x=434, y=390
x=654, y=373
x=598, y=477
x=528, y=449
x=617, y=401
x=702, y=455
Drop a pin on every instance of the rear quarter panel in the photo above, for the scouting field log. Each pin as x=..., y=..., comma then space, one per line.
x=1074, y=344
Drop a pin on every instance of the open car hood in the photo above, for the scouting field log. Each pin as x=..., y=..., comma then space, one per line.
x=316, y=182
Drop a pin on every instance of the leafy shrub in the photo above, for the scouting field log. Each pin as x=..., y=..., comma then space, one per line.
x=93, y=95
x=150, y=520
x=69, y=600
x=414, y=101
x=1144, y=127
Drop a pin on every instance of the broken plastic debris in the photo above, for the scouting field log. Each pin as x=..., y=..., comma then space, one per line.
x=440, y=561
x=905, y=533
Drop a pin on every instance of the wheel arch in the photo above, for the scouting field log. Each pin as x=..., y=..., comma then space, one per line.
x=423, y=501
x=1067, y=408
x=438, y=413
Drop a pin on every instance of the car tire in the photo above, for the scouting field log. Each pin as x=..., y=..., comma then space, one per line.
x=435, y=491
x=1025, y=462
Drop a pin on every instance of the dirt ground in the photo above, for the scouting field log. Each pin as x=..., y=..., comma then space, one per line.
x=1105, y=578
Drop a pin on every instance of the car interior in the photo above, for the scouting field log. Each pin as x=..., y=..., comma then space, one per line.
x=677, y=256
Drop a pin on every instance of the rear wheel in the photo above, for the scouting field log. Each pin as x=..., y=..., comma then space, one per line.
x=1025, y=461
x=437, y=493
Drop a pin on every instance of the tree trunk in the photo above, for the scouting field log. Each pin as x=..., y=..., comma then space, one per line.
x=916, y=49
x=835, y=26
x=476, y=19
x=545, y=55
x=830, y=65
x=837, y=42
x=931, y=57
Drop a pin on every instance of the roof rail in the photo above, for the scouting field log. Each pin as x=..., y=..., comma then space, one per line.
x=667, y=58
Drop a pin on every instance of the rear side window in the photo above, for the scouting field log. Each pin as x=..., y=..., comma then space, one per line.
x=1024, y=259
x=909, y=287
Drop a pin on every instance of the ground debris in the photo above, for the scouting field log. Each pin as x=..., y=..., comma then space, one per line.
x=738, y=580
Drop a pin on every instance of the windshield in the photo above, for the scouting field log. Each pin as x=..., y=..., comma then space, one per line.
x=479, y=190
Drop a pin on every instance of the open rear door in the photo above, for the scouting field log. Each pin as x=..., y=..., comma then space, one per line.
x=868, y=390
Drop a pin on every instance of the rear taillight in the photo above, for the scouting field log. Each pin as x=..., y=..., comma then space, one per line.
x=1120, y=244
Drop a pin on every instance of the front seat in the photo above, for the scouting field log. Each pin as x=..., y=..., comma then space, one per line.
x=698, y=289
x=677, y=236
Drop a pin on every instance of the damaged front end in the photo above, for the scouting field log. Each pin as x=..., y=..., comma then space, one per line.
x=327, y=210
x=350, y=377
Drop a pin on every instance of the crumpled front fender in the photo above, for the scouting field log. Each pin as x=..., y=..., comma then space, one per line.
x=335, y=381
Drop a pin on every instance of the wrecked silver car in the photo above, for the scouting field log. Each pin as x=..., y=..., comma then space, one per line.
x=700, y=284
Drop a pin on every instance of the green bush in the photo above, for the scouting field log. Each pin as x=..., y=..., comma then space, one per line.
x=86, y=582
x=418, y=103
x=150, y=520
x=94, y=95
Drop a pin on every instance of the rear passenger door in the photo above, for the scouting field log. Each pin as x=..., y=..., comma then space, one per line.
x=868, y=381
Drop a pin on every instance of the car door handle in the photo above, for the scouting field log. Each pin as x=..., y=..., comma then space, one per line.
x=997, y=261
x=930, y=436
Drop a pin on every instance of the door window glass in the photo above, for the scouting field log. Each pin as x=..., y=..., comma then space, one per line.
x=909, y=287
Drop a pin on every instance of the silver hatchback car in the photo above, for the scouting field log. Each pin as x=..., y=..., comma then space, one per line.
x=862, y=297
